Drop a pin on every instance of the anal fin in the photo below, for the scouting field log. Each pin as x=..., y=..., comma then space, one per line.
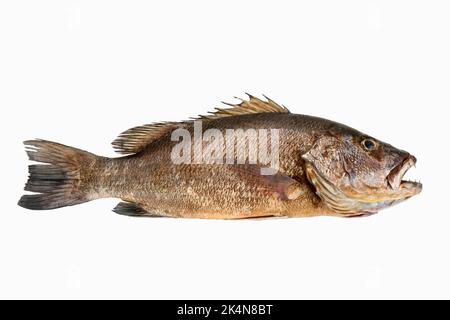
x=132, y=210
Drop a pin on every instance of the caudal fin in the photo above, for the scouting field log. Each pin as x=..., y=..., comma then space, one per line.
x=57, y=183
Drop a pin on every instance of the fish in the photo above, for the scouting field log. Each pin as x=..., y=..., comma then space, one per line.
x=250, y=159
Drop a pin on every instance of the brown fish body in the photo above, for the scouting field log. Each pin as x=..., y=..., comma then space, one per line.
x=151, y=184
x=212, y=191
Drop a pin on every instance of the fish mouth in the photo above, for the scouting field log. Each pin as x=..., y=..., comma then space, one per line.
x=349, y=201
x=395, y=177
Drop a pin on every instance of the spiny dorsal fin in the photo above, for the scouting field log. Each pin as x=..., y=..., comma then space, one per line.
x=136, y=139
x=253, y=105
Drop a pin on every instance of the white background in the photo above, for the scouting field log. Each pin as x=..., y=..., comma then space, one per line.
x=80, y=72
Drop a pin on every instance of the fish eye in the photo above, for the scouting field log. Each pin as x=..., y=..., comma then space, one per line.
x=369, y=144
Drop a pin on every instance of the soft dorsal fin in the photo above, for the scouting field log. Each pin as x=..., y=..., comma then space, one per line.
x=136, y=139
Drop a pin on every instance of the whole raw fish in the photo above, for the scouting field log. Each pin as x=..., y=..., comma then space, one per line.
x=255, y=159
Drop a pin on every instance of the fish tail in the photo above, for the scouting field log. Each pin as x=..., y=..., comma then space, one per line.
x=61, y=180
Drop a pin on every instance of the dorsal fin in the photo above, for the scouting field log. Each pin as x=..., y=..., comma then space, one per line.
x=136, y=139
x=253, y=105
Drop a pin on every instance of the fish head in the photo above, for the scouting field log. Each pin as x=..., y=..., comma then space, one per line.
x=354, y=173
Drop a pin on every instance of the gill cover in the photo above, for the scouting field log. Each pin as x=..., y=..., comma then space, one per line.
x=326, y=169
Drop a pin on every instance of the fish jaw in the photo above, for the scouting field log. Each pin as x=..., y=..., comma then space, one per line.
x=403, y=187
x=347, y=201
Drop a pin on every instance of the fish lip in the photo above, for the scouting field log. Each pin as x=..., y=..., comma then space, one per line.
x=394, y=178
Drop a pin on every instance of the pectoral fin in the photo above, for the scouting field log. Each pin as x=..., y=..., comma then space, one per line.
x=277, y=184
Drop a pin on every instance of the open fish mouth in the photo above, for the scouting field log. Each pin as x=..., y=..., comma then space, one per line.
x=395, y=177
